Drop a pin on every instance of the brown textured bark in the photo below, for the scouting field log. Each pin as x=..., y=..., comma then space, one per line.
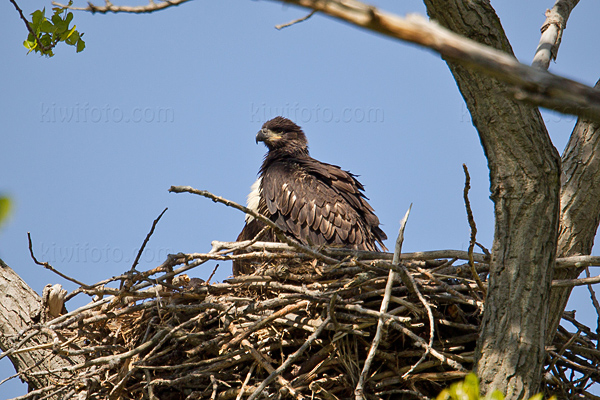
x=18, y=305
x=580, y=208
x=524, y=177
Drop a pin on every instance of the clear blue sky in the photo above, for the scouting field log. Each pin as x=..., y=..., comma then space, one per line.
x=91, y=142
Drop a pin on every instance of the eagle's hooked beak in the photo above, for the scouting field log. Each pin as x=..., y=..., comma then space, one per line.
x=265, y=135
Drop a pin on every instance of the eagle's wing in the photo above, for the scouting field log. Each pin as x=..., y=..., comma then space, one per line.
x=319, y=203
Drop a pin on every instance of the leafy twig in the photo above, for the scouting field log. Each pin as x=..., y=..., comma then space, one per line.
x=37, y=39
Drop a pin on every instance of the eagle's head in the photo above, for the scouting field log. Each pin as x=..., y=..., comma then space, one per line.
x=281, y=133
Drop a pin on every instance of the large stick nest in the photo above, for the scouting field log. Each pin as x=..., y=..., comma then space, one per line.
x=296, y=328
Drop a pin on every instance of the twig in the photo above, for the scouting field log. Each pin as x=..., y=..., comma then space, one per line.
x=226, y=247
x=51, y=268
x=139, y=254
x=385, y=315
x=552, y=30
x=596, y=306
x=259, y=324
x=259, y=357
x=402, y=392
x=563, y=349
x=278, y=231
x=575, y=282
x=217, y=247
x=419, y=341
x=400, y=238
x=359, y=390
x=215, y=386
x=109, y=7
x=431, y=326
x=473, y=239
x=402, y=272
x=448, y=288
x=212, y=274
x=578, y=262
x=149, y=386
x=279, y=27
x=155, y=343
x=35, y=393
x=243, y=388
x=292, y=357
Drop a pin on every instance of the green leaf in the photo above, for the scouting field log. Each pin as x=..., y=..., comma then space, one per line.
x=46, y=40
x=37, y=17
x=80, y=45
x=472, y=380
x=47, y=27
x=5, y=206
x=468, y=389
x=68, y=34
x=59, y=24
x=58, y=10
x=73, y=37
x=495, y=395
x=29, y=45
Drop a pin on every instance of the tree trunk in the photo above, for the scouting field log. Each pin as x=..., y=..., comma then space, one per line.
x=19, y=304
x=524, y=178
x=580, y=209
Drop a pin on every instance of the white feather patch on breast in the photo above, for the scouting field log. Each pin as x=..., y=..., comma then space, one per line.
x=253, y=199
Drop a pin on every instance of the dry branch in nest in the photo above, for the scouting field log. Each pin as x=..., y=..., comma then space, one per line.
x=298, y=328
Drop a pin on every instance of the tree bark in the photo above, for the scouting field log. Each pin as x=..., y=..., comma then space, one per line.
x=19, y=304
x=524, y=182
x=580, y=209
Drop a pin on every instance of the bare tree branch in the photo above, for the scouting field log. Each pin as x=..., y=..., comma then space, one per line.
x=575, y=282
x=147, y=239
x=552, y=30
x=294, y=22
x=109, y=7
x=50, y=267
x=525, y=83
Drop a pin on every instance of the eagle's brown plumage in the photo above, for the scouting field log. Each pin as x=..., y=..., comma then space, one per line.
x=313, y=202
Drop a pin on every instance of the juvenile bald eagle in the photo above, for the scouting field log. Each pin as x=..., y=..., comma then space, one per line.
x=311, y=201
